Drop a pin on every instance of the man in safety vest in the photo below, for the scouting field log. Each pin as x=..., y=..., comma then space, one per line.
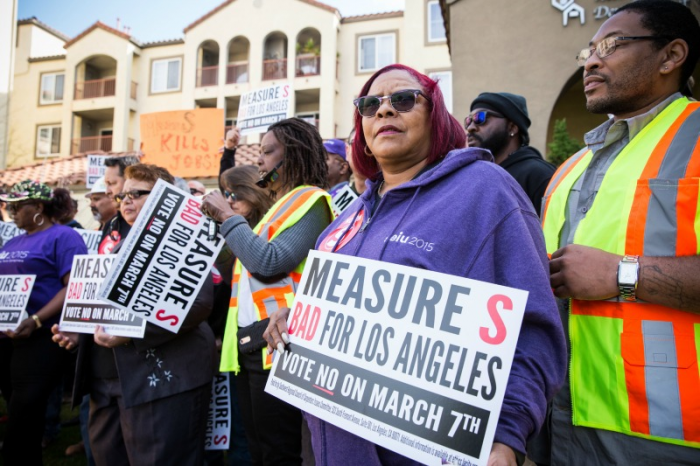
x=622, y=224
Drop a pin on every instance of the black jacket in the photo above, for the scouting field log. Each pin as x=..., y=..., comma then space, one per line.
x=531, y=172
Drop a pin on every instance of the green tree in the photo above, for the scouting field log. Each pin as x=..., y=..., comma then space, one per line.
x=563, y=145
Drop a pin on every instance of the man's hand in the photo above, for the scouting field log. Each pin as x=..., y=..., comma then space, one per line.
x=501, y=455
x=583, y=272
x=23, y=330
x=103, y=338
x=233, y=136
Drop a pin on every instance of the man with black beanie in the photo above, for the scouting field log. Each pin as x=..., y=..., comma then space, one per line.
x=499, y=122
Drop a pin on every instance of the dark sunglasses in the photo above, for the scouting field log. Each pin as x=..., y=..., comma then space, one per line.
x=196, y=192
x=230, y=195
x=479, y=118
x=14, y=207
x=135, y=194
x=401, y=101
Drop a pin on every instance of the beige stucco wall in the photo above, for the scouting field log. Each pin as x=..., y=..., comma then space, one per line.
x=524, y=48
x=8, y=28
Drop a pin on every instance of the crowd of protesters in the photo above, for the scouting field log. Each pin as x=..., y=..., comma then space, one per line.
x=606, y=365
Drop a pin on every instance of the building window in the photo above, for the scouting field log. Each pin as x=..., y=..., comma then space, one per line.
x=436, y=26
x=310, y=118
x=444, y=79
x=165, y=75
x=51, y=88
x=48, y=141
x=376, y=51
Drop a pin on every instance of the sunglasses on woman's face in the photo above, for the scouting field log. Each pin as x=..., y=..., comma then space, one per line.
x=479, y=118
x=134, y=194
x=14, y=207
x=401, y=101
x=230, y=196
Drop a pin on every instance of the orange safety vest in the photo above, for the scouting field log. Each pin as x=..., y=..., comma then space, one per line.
x=634, y=366
x=269, y=297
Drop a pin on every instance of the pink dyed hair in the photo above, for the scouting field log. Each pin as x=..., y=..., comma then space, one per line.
x=446, y=132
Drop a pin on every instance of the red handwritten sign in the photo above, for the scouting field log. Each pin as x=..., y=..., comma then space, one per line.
x=186, y=142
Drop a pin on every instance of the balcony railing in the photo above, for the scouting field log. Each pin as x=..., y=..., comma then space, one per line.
x=134, y=88
x=91, y=143
x=275, y=69
x=207, y=76
x=308, y=66
x=237, y=73
x=95, y=88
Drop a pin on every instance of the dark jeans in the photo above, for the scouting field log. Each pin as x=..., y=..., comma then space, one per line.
x=36, y=369
x=272, y=426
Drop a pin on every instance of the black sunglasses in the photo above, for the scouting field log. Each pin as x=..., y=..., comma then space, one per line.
x=479, y=118
x=230, y=195
x=401, y=101
x=195, y=192
x=134, y=194
x=14, y=207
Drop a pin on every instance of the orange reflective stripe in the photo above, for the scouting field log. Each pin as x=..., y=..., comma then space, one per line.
x=693, y=168
x=559, y=176
x=636, y=226
x=686, y=211
x=277, y=293
x=233, y=302
x=688, y=382
x=290, y=209
x=632, y=346
x=296, y=277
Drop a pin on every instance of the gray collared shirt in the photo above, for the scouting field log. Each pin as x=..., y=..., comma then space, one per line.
x=606, y=141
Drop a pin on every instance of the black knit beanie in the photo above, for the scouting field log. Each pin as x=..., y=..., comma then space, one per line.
x=511, y=106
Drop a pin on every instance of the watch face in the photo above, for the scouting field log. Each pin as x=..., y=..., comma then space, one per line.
x=627, y=274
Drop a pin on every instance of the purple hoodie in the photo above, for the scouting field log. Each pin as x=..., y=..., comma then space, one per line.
x=467, y=217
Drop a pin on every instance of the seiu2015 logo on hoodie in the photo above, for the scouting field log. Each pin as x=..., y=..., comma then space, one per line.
x=411, y=241
x=14, y=255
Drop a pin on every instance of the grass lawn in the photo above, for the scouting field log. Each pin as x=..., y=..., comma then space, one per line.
x=54, y=454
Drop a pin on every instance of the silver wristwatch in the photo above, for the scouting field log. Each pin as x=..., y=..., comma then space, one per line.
x=628, y=277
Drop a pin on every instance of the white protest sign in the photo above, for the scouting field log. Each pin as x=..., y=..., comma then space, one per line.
x=14, y=296
x=92, y=239
x=260, y=108
x=218, y=435
x=95, y=169
x=165, y=260
x=410, y=359
x=82, y=311
x=9, y=230
x=343, y=199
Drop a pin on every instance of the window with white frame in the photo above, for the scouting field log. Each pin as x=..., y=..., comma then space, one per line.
x=51, y=88
x=444, y=79
x=436, y=26
x=48, y=141
x=376, y=51
x=165, y=75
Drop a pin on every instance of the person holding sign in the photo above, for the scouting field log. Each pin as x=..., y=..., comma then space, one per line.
x=45, y=250
x=433, y=205
x=149, y=396
x=270, y=260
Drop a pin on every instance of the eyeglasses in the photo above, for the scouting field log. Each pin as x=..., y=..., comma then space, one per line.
x=401, y=101
x=607, y=46
x=14, y=207
x=134, y=194
x=479, y=118
x=230, y=195
x=195, y=192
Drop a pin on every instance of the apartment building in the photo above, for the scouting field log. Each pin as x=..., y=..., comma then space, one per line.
x=86, y=93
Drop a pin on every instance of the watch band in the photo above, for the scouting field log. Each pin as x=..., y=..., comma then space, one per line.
x=628, y=291
x=37, y=320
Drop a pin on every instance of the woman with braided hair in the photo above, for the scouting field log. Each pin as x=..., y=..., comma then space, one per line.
x=270, y=258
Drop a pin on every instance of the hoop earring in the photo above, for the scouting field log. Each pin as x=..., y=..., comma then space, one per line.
x=368, y=151
x=42, y=219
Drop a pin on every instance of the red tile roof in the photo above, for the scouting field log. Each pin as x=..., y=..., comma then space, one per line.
x=228, y=2
x=104, y=27
x=358, y=18
x=67, y=171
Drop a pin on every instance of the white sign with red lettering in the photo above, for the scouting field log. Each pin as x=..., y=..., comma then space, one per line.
x=14, y=296
x=413, y=360
x=165, y=260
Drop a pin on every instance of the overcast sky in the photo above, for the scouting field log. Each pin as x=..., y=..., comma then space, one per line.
x=152, y=20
